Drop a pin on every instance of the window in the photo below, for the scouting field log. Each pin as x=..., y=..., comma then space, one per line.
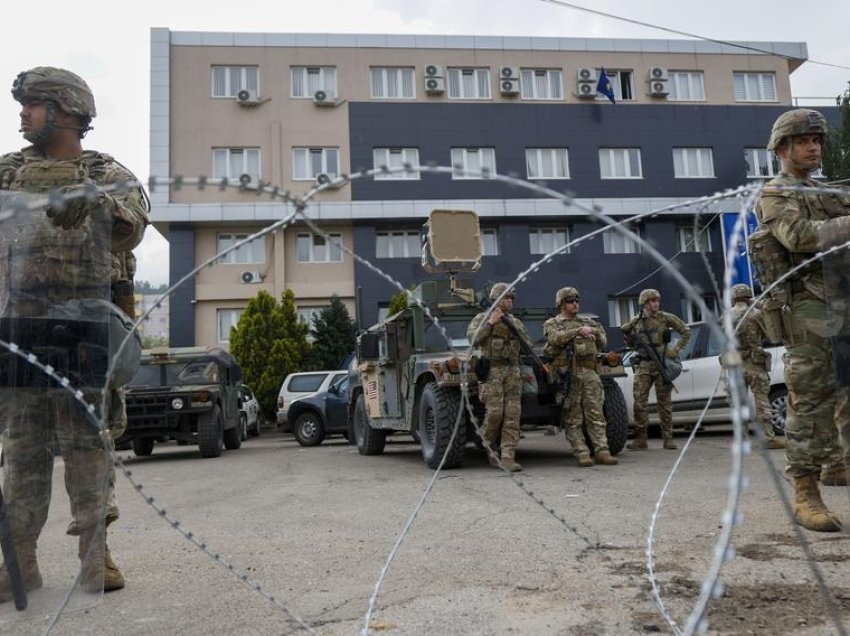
x=227, y=81
x=473, y=160
x=622, y=309
x=538, y=83
x=615, y=243
x=227, y=318
x=309, y=163
x=686, y=86
x=547, y=163
x=315, y=248
x=253, y=252
x=620, y=163
x=546, y=240
x=469, y=83
x=231, y=163
x=693, y=239
x=401, y=244
x=755, y=87
x=693, y=163
x=307, y=315
x=489, y=242
x=396, y=158
x=392, y=83
x=692, y=313
x=621, y=83
x=306, y=80
x=761, y=162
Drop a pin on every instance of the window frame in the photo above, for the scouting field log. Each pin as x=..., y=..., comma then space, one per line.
x=400, y=72
x=761, y=75
x=537, y=231
x=325, y=150
x=616, y=77
x=219, y=312
x=477, y=82
x=407, y=238
x=244, y=151
x=528, y=89
x=685, y=153
x=494, y=241
x=616, y=305
x=629, y=244
x=682, y=241
x=674, y=81
x=250, y=249
x=753, y=158
x=538, y=154
x=404, y=175
x=329, y=247
x=610, y=151
x=244, y=84
x=466, y=150
x=304, y=70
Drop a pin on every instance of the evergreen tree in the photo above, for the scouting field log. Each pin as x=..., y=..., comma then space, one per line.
x=836, y=154
x=397, y=303
x=333, y=330
x=269, y=343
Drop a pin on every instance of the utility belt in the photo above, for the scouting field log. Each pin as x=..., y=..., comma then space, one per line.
x=587, y=363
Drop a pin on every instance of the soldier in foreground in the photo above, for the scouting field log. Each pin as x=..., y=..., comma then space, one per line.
x=501, y=391
x=648, y=332
x=573, y=343
x=756, y=366
x=795, y=226
x=57, y=107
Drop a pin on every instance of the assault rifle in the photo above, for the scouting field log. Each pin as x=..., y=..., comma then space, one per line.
x=526, y=347
x=646, y=350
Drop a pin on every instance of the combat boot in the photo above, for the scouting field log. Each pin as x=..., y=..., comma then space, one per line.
x=606, y=458
x=509, y=461
x=809, y=509
x=639, y=442
x=669, y=444
x=113, y=579
x=92, y=553
x=585, y=460
x=775, y=443
x=834, y=475
x=30, y=574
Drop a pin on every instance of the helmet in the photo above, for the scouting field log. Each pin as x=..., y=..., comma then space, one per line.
x=801, y=121
x=648, y=294
x=497, y=290
x=741, y=291
x=565, y=292
x=65, y=88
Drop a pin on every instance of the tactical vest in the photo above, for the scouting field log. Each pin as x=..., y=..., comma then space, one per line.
x=501, y=347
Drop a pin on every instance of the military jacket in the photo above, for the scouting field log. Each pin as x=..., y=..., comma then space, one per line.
x=750, y=330
x=497, y=342
x=641, y=329
x=563, y=339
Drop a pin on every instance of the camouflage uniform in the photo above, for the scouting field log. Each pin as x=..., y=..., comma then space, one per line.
x=65, y=249
x=501, y=394
x=653, y=328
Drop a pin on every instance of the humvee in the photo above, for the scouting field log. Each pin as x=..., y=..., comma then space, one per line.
x=189, y=394
x=408, y=379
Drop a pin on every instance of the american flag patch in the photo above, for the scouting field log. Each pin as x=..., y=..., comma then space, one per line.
x=372, y=390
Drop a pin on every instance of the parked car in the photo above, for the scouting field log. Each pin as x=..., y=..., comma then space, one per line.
x=251, y=419
x=701, y=371
x=300, y=384
x=316, y=416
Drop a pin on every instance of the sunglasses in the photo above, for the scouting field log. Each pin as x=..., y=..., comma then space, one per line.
x=571, y=300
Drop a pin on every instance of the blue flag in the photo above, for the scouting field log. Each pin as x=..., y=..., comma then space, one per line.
x=604, y=86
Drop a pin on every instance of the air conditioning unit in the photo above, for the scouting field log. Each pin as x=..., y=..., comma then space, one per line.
x=325, y=98
x=435, y=85
x=586, y=75
x=509, y=72
x=251, y=277
x=657, y=88
x=586, y=90
x=509, y=87
x=247, y=97
x=433, y=70
x=658, y=74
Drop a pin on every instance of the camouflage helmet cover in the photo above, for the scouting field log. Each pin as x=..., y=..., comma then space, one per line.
x=741, y=291
x=67, y=89
x=565, y=292
x=497, y=290
x=648, y=294
x=800, y=121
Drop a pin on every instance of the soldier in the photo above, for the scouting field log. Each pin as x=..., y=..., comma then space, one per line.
x=501, y=391
x=651, y=328
x=751, y=336
x=57, y=107
x=798, y=225
x=573, y=344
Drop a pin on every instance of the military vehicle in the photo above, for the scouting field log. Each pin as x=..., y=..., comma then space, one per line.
x=409, y=380
x=189, y=394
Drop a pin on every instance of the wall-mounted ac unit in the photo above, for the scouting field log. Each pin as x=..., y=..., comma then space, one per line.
x=658, y=74
x=657, y=88
x=586, y=75
x=251, y=277
x=325, y=98
x=247, y=97
x=435, y=85
x=509, y=72
x=586, y=90
x=509, y=87
x=433, y=70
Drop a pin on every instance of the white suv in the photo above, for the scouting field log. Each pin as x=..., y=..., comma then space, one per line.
x=297, y=385
x=701, y=371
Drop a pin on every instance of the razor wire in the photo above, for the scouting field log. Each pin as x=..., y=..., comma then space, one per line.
x=740, y=447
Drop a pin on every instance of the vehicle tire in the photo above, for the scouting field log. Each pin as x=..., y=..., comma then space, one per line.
x=143, y=446
x=616, y=415
x=778, y=404
x=370, y=441
x=243, y=426
x=211, y=433
x=437, y=415
x=255, y=432
x=233, y=436
x=308, y=429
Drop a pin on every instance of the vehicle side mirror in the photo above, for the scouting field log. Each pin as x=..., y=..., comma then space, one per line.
x=334, y=388
x=368, y=346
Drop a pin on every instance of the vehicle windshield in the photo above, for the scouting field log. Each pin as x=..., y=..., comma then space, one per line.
x=199, y=371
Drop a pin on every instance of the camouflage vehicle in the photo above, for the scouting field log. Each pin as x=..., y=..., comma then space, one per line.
x=408, y=380
x=189, y=394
